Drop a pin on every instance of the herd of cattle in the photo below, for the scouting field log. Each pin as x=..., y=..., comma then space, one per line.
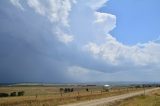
x=20, y=93
x=65, y=90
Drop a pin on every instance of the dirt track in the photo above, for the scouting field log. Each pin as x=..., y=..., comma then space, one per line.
x=105, y=101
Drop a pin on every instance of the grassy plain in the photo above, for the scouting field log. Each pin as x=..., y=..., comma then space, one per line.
x=51, y=96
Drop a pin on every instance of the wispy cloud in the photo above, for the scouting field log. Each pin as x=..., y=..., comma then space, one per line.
x=37, y=6
x=17, y=4
x=95, y=4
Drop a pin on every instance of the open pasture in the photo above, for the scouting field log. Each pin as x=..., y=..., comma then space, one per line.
x=53, y=96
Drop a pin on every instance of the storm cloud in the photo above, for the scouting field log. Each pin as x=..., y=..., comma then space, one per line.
x=68, y=41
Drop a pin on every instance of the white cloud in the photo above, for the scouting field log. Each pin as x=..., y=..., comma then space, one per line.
x=116, y=53
x=95, y=4
x=17, y=4
x=105, y=22
x=112, y=51
x=64, y=37
x=37, y=6
x=89, y=23
x=57, y=11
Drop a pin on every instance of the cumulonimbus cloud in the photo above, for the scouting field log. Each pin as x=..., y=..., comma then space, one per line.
x=80, y=21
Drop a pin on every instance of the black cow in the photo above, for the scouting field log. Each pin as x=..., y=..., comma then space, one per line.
x=21, y=93
x=13, y=94
x=4, y=95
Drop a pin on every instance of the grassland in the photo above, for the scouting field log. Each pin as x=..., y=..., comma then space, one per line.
x=51, y=96
x=151, y=99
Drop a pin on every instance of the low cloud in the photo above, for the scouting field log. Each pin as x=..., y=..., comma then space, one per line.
x=82, y=74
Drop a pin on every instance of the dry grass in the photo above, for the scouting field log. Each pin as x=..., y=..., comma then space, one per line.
x=50, y=96
x=151, y=99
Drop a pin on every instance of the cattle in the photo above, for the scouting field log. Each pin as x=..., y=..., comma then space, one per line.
x=61, y=90
x=68, y=90
x=13, y=94
x=21, y=93
x=4, y=95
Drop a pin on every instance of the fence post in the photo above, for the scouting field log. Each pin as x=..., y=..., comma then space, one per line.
x=101, y=92
x=78, y=95
x=155, y=101
x=36, y=96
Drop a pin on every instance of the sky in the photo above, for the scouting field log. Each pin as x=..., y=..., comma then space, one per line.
x=63, y=41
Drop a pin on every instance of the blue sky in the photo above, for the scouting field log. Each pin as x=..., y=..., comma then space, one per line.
x=137, y=20
x=79, y=40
